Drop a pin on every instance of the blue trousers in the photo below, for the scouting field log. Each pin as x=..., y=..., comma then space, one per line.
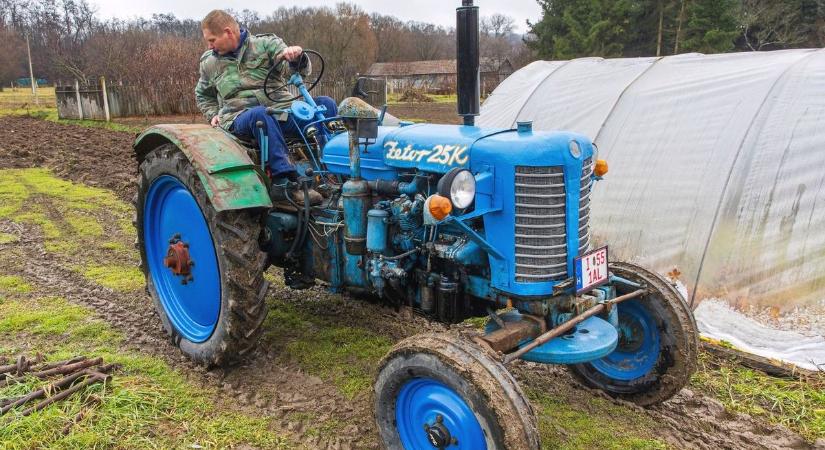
x=245, y=127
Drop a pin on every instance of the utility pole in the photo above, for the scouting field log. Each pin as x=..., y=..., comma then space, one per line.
x=31, y=71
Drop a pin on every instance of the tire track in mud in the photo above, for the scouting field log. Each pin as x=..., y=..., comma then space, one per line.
x=267, y=384
x=263, y=384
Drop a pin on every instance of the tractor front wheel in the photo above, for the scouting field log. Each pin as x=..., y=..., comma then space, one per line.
x=204, y=269
x=658, y=343
x=443, y=391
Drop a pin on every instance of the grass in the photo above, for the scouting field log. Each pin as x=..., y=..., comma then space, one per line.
x=395, y=98
x=146, y=405
x=72, y=219
x=7, y=238
x=118, y=278
x=796, y=404
x=22, y=99
x=341, y=354
x=20, y=102
x=599, y=424
x=11, y=284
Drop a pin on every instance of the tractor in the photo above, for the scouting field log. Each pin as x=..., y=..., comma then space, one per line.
x=451, y=221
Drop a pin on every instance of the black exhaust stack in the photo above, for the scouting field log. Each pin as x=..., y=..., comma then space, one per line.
x=467, y=62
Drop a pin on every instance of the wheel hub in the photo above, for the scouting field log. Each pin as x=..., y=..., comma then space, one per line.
x=438, y=435
x=631, y=335
x=178, y=259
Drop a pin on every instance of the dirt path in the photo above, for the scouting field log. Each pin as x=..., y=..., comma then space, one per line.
x=269, y=383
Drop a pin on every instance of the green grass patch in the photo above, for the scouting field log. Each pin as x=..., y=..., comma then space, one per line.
x=343, y=355
x=12, y=284
x=48, y=317
x=84, y=225
x=146, y=405
x=119, y=278
x=395, y=98
x=598, y=424
x=7, y=238
x=796, y=404
x=76, y=196
x=20, y=101
x=68, y=215
x=34, y=217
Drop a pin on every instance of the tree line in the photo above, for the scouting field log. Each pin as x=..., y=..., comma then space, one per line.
x=614, y=28
x=69, y=41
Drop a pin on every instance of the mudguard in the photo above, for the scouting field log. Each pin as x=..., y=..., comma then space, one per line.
x=230, y=177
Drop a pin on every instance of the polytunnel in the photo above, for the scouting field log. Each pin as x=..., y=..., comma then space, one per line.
x=717, y=170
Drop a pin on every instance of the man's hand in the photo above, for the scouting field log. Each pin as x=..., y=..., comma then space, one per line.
x=215, y=121
x=292, y=54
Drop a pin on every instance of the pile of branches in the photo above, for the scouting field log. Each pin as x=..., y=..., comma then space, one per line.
x=77, y=374
x=414, y=96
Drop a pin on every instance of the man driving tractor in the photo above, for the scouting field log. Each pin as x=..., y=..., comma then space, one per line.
x=230, y=91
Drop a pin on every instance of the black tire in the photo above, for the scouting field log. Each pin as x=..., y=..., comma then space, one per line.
x=506, y=417
x=679, y=343
x=241, y=265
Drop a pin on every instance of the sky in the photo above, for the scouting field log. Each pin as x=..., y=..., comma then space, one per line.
x=440, y=12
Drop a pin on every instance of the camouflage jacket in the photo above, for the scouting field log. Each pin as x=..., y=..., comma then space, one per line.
x=231, y=83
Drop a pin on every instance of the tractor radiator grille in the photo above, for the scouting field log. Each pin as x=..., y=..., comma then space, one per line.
x=541, y=237
x=584, y=206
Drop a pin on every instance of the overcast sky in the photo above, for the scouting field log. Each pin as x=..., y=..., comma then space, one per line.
x=441, y=12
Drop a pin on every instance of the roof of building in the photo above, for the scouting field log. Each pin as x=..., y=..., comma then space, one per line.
x=432, y=67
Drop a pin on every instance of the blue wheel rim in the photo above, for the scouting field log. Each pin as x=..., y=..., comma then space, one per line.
x=421, y=401
x=636, y=358
x=193, y=308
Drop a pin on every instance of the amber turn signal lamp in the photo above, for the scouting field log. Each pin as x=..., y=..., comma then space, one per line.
x=440, y=207
x=601, y=168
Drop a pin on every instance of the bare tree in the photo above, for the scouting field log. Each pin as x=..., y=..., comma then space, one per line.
x=389, y=37
x=768, y=24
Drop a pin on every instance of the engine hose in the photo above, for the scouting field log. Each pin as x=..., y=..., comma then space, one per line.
x=305, y=187
x=295, y=241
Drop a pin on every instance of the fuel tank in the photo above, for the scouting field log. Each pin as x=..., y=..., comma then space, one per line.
x=427, y=147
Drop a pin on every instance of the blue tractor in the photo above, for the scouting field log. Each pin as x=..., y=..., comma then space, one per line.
x=452, y=221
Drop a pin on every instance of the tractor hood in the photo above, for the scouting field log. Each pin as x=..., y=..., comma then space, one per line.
x=439, y=148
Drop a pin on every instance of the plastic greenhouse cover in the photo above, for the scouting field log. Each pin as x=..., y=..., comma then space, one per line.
x=716, y=170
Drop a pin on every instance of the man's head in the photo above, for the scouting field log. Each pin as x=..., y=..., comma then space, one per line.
x=221, y=31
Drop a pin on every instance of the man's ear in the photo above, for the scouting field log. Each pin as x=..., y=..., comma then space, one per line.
x=229, y=32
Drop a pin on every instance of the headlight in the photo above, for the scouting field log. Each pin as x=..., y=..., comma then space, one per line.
x=459, y=185
x=575, y=149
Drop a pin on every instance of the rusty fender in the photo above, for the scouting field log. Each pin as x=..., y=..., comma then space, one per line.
x=230, y=177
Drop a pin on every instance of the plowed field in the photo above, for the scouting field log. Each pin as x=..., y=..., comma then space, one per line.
x=65, y=231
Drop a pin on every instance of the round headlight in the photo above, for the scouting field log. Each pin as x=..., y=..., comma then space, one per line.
x=575, y=149
x=459, y=185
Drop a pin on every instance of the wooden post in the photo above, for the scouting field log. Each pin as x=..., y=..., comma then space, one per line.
x=31, y=72
x=105, y=99
x=77, y=97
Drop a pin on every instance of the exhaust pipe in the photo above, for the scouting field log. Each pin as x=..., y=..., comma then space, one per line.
x=467, y=62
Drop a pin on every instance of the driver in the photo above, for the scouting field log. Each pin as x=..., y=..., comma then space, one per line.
x=230, y=91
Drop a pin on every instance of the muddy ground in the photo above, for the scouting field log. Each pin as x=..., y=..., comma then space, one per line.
x=268, y=384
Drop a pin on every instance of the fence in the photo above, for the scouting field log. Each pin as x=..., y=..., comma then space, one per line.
x=87, y=101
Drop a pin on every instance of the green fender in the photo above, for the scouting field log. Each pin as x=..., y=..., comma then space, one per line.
x=230, y=177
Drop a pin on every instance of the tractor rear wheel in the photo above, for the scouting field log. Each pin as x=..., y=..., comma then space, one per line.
x=658, y=343
x=443, y=391
x=204, y=269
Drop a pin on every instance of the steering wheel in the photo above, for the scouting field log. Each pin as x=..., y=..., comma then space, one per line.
x=296, y=68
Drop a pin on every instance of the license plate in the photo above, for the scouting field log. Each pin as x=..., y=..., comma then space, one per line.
x=590, y=270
